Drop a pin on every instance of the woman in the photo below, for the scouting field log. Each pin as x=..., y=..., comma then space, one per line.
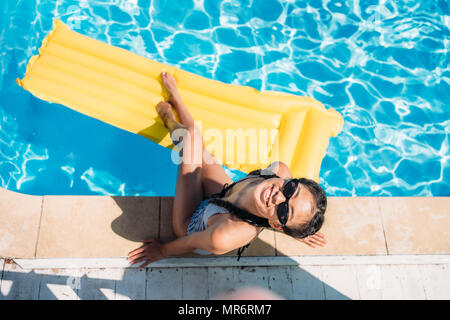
x=212, y=215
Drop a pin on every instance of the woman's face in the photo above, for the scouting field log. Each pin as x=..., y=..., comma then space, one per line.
x=268, y=194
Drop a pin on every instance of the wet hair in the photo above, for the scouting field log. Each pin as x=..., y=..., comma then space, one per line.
x=299, y=232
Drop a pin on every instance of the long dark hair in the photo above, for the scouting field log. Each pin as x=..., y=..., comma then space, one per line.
x=320, y=205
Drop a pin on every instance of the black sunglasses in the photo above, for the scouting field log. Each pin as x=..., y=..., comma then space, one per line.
x=283, y=208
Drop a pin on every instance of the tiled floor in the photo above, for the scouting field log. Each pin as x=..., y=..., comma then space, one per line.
x=95, y=226
x=354, y=281
x=19, y=227
x=103, y=227
x=108, y=227
x=416, y=225
x=352, y=226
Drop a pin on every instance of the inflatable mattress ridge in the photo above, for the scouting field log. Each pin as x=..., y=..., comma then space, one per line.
x=121, y=88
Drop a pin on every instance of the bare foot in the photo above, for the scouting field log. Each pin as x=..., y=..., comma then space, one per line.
x=170, y=84
x=164, y=110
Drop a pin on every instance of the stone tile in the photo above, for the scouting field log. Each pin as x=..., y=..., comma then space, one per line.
x=251, y=277
x=280, y=281
x=263, y=245
x=369, y=281
x=194, y=283
x=416, y=225
x=95, y=226
x=436, y=281
x=139, y=219
x=19, y=284
x=307, y=283
x=402, y=283
x=99, y=284
x=352, y=226
x=340, y=282
x=132, y=285
x=166, y=233
x=19, y=224
x=58, y=284
x=164, y=284
x=220, y=281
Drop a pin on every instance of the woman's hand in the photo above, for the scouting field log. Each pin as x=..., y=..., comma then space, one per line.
x=150, y=251
x=317, y=239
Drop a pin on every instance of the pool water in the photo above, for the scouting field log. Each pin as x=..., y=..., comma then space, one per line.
x=384, y=65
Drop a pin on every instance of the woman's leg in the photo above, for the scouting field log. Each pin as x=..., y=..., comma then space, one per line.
x=213, y=176
x=188, y=190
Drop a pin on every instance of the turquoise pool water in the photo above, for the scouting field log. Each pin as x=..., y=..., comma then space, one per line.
x=384, y=65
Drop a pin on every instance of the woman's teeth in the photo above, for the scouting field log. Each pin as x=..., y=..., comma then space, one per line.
x=267, y=195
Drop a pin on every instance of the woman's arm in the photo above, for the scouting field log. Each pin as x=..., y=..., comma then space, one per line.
x=152, y=250
x=197, y=240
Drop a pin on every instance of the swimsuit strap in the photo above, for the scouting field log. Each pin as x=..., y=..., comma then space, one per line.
x=256, y=173
x=241, y=250
x=261, y=221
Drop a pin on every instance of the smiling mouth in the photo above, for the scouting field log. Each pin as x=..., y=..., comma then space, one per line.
x=266, y=195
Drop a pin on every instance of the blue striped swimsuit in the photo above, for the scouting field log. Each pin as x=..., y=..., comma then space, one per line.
x=199, y=220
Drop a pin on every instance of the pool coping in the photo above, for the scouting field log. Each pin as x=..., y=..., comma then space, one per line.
x=219, y=261
x=42, y=228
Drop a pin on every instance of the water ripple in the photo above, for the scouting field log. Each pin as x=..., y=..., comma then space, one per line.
x=383, y=64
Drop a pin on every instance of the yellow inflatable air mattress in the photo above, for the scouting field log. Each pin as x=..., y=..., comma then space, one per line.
x=243, y=128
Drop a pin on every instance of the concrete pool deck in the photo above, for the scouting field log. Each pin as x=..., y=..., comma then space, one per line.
x=73, y=247
x=421, y=277
x=35, y=227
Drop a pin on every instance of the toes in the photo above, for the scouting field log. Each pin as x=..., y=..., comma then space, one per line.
x=163, y=104
x=168, y=79
x=164, y=76
x=162, y=107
